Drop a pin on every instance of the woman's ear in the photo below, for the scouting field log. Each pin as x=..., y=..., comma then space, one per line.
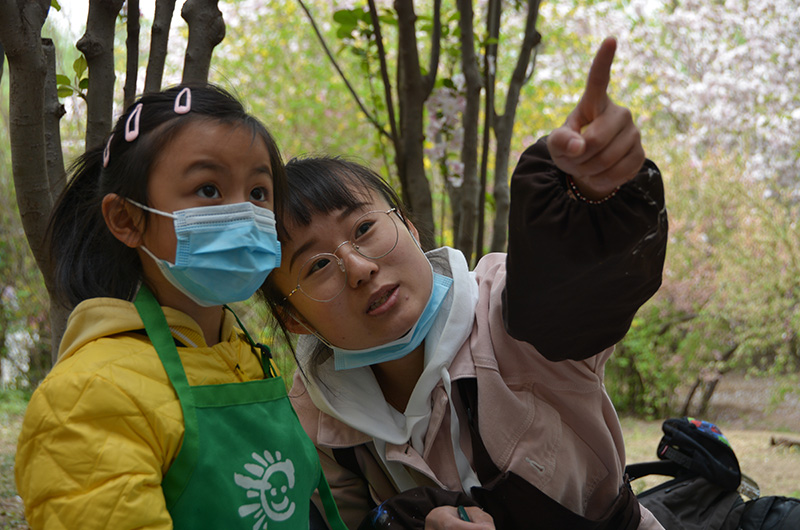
x=124, y=221
x=414, y=232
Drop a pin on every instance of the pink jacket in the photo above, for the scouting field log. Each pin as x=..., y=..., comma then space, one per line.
x=550, y=422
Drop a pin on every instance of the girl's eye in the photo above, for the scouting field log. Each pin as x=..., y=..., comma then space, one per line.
x=259, y=194
x=209, y=191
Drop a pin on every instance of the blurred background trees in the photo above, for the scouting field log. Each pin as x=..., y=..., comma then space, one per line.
x=714, y=86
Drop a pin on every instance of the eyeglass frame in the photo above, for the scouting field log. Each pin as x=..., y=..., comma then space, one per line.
x=340, y=261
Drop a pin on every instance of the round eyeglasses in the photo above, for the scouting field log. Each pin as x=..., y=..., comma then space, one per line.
x=323, y=276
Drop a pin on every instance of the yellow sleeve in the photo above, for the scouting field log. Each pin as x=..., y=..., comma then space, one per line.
x=89, y=456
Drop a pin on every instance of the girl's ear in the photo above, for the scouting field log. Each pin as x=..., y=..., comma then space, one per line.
x=293, y=324
x=124, y=221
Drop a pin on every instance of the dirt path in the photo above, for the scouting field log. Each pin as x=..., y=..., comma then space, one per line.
x=762, y=404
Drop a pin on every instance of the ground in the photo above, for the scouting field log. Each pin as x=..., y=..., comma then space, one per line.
x=760, y=417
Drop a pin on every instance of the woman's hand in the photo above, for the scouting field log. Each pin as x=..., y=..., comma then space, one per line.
x=598, y=145
x=448, y=518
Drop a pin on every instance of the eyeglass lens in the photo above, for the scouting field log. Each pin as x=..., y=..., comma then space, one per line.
x=373, y=236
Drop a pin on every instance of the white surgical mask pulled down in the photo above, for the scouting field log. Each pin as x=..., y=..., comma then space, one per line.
x=224, y=252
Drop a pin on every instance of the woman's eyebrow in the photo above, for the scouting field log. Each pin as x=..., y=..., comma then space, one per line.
x=300, y=250
x=343, y=215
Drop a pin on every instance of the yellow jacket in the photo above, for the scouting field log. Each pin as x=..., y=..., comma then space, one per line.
x=105, y=424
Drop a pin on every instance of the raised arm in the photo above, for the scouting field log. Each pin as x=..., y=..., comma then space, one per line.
x=587, y=229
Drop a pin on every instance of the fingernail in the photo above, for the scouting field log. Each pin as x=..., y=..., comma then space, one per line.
x=575, y=146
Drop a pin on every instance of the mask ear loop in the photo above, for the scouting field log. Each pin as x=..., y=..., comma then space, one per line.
x=132, y=124
x=183, y=108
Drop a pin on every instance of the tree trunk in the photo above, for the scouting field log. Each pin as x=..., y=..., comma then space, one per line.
x=20, y=30
x=412, y=94
x=465, y=230
x=490, y=76
x=206, y=30
x=34, y=112
x=159, y=38
x=132, y=59
x=504, y=126
x=97, y=45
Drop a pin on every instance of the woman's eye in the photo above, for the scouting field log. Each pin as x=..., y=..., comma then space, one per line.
x=362, y=228
x=209, y=191
x=259, y=194
x=317, y=265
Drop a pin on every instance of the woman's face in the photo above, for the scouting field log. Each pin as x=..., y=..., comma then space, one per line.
x=381, y=299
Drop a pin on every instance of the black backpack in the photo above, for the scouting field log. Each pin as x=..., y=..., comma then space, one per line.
x=707, y=487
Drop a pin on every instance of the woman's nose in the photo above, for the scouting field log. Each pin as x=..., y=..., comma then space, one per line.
x=359, y=268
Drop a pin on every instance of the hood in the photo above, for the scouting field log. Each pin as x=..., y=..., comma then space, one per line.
x=104, y=317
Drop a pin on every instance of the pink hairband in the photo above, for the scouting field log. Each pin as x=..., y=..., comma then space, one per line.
x=182, y=105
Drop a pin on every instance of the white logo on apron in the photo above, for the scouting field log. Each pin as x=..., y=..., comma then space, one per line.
x=270, y=482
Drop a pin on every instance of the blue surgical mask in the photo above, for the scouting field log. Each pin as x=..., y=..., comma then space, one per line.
x=224, y=252
x=346, y=359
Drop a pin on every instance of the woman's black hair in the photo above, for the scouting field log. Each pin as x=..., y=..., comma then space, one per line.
x=86, y=260
x=322, y=185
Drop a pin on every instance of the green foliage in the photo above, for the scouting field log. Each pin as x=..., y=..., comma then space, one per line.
x=277, y=67
x=13, y=402
x=78, y=84
x=644, y=370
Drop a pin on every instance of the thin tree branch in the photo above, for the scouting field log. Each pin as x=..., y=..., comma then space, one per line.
x=97, y=45
x=159, y=38
x=53, y=112
x=429, y=80
x=324, y=45
x=465, y=238
x=489, y=79
x=387, y=84
x=206, y=30
x=132, y=47
x=411, y=104
x=504, y=124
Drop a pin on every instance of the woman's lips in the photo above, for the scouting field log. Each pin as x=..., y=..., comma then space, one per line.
x=383, y=301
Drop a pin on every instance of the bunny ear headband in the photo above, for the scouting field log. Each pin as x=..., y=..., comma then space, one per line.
x=182, y=105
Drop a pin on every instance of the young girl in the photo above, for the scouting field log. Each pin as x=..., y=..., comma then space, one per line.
x=414, y=371
x=160, y=412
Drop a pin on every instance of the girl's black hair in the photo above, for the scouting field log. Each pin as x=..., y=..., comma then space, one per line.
x=322, y=185
x=86, y=260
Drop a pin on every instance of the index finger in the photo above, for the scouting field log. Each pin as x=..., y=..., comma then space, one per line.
x=594, y=97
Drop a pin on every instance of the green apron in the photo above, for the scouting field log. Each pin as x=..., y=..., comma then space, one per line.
x=245, y=461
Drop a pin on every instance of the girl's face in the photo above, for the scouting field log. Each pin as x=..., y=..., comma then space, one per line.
x=207, y=163
x=381, y=299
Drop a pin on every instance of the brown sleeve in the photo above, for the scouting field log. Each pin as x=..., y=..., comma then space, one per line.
x=578, y=272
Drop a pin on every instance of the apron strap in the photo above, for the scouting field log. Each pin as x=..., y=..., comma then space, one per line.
x=331, y=511
x=155, y=323
x=267, y=365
